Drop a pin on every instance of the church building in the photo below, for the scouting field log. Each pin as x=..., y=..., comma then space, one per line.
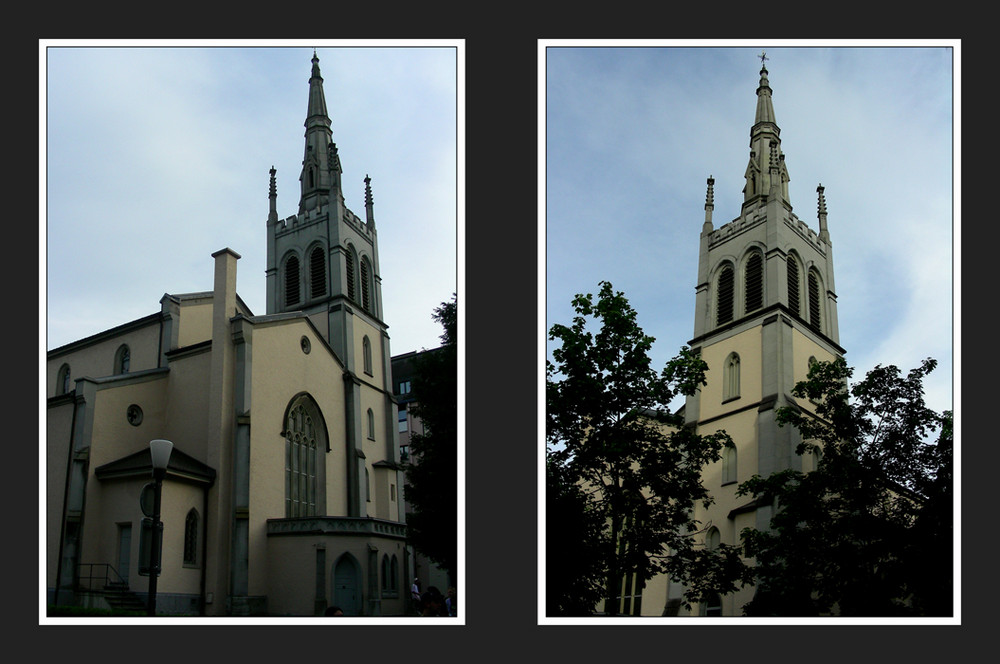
x=283, y=491
x=765, y=309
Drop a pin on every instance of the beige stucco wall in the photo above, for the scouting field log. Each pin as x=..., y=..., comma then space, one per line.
x=97, y=360
x=186, y=408
x=195, y=322
x=292, y=592
x=747, y=345
x=118, y=503
x=280, y=371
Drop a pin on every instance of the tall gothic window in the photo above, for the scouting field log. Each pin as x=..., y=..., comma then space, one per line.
x=292, y=281
x=793, y=284
x=754, y=293
x=814, y=301
x=366, y=351
x=191, y=538
x=731, y=377
x=301, y=443
x=724, y=301
x=317, y=273
x=728, y=464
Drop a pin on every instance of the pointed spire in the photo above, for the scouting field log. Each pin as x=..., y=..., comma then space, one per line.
x=315, y=176
x=272, y=195
x=824, y=232
x=369, y=202
x=709, y=204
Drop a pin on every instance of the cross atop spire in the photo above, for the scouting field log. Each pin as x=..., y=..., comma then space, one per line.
x=763, y=57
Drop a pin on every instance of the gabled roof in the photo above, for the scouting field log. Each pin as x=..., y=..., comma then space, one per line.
x=181, y=466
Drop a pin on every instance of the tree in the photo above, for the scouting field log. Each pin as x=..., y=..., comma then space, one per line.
x=574, y=575
x=868, y=533
x=637, y=468
x=432, y=474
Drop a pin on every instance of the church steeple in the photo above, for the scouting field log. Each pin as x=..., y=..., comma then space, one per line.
x=320, y=164
x=766, y=174
x=323, y=261
x=766, y=259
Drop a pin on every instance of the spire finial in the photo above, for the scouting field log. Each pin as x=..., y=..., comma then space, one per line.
x=315, y=67
x=763, y=57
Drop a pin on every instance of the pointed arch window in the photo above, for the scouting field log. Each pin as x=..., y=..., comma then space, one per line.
x=123, y=359
x=191, y=538
x=317, y=273
x=724, y=298
x=731, y=378
x=729, y=464
x=814, y=302
x=371, y=424
x=754, y=282
x=793, y=284
x=366, y=351
x=62, y=380
x=305, y=437
x=292, y=281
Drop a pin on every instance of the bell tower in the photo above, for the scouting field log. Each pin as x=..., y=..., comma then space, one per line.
x=323, y=260
x=766, y=307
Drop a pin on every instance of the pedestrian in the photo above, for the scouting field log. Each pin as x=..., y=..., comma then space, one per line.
x=432, y=603
x=415, y=595
x=451, y=604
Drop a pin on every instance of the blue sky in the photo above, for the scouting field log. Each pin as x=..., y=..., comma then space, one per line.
x=157, y=157
x=632, y=134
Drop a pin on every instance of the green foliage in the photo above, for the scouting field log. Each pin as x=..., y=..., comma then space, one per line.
x=611, y=433
x=868, y=533
x=431, y=476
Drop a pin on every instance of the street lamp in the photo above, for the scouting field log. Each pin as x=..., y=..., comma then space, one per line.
x=159, y=452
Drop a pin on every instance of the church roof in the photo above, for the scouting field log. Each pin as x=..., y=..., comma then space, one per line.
x=182, y=466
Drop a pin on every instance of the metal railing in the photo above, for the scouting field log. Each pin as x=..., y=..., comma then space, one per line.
x=99, y=576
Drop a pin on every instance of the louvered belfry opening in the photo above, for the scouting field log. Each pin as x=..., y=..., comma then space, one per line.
x=754, y=282
x=793, y=284
x=724, y=309
x=351, y=293
x=292, y=281
x=814, y=308
x=317, y=270
x=365, y=303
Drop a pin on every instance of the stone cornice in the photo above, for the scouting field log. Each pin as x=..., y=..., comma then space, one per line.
x=335, y=525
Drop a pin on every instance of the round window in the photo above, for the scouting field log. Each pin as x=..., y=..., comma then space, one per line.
x=134, y=415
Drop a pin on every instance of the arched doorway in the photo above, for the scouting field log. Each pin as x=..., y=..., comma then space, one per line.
x=347, y=585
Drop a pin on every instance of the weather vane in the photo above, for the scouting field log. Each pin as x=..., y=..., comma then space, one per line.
x=763, y=57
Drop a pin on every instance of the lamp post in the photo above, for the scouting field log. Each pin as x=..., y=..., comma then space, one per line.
x=159, y=452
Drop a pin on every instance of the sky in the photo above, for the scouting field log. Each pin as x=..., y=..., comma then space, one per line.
x=632, y=134
x=156, y=157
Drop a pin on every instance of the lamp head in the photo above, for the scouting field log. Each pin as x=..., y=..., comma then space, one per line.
x=159, y=451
